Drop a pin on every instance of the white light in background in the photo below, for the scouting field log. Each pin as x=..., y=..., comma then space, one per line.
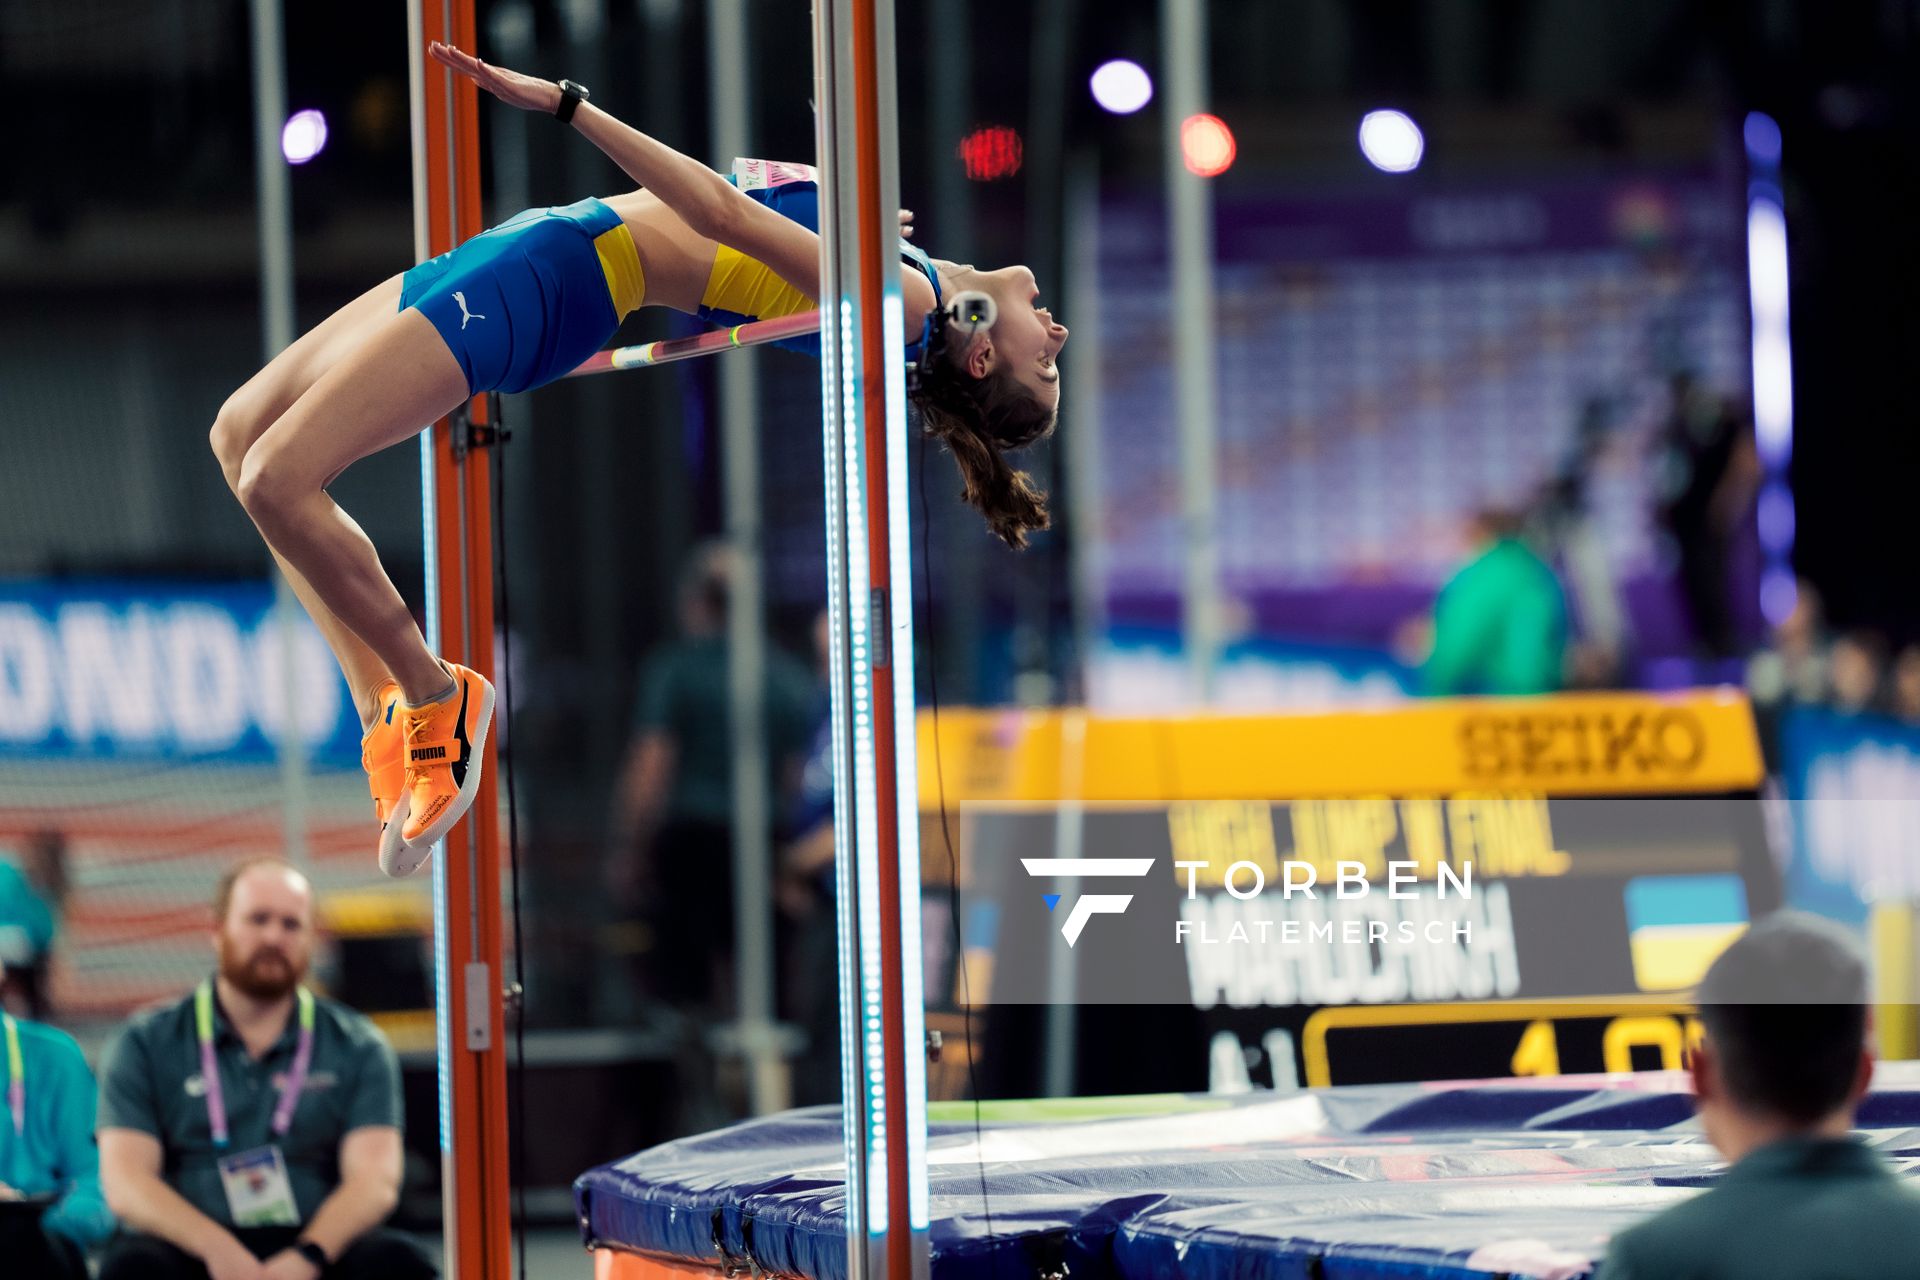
x=1391, y=141
x=1767, y=292
x=1772, y=351
x=1122, y=87
x=1763, y=138
x=1778, y=595
x=1774, y=515
x=304, y=136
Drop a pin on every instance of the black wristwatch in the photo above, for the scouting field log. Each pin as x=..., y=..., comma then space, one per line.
x=312, y=1253
x=571, y=96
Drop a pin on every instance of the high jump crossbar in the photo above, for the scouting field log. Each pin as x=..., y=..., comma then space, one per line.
x=754, y=333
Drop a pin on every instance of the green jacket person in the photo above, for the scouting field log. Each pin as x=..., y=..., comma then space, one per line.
x=1782, y=1067
x=1500, y=623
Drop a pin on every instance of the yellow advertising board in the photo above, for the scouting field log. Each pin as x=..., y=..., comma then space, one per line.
x=1599, y=744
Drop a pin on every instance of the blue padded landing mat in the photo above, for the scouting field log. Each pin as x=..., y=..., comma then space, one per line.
x=1521, y=1178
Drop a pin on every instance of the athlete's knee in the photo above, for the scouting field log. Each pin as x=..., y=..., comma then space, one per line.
x=265, y=485
x=238, y=424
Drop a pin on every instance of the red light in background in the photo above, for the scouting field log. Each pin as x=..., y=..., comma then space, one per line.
x=1207, y=144
x=991, y=152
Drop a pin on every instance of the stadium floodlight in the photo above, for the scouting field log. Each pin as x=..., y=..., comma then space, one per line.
x=303, y=136
x=1391, y=141
x=1121, y=86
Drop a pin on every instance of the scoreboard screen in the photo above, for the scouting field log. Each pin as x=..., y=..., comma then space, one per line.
x=1485, y=928
x=1585, y=921
x=1371, y=1045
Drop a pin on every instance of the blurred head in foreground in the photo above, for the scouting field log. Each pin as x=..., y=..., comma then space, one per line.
x=1785, y=1051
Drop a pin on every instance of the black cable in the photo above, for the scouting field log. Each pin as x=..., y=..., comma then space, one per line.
x=505, y=740
x=946, y=829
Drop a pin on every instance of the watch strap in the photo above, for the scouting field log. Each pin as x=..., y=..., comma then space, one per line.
x=571, y=96
x=312, y=1253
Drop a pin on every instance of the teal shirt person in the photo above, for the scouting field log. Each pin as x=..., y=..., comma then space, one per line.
x=1499, y=626
x=1804, y=1206
x=26, y=921
x=52, y=1153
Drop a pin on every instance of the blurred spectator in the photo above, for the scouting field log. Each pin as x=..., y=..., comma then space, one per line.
x=1571, y=536
x=207, y=1153
x=1856, y=669
x=51, y=1209
x=1793, y=667
x=1776, y=1078
x=804, y=889
x=1791, y=671
x=806, y=895
x=1906, y=684
x=673, y=835
x=1500, y=623
x=33, y=896
x=1708, y=472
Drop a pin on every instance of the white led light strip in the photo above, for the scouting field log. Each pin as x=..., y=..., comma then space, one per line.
x=905, y=759
x=866, y=820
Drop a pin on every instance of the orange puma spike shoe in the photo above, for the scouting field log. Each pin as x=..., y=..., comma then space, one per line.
x=382, y=756
x=443, y=744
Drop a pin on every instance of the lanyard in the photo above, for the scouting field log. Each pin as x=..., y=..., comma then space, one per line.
x=16, y=1076
x=290, y=1088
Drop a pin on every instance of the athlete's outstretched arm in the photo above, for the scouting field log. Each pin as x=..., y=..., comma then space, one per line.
x=701, y=198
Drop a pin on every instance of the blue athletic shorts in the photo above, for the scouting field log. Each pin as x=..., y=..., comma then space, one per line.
x=524, y=303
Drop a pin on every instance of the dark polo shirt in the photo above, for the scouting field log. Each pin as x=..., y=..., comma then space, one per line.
x=150, y=1080
x=1806, y=1207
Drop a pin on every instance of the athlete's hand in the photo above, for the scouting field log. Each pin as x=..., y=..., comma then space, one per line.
x=906, y=223
x=529, y=93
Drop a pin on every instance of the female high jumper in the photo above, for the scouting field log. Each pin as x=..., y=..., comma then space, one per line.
x=525, y=303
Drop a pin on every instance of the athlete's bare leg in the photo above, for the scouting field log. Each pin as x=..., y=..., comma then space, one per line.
x=258, y=404
x=395, y=377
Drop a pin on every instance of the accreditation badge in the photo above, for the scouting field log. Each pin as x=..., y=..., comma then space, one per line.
x=258, y=1191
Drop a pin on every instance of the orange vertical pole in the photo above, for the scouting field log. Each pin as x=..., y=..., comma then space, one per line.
x=467, y=874
x=869, y=581
x=874, y=358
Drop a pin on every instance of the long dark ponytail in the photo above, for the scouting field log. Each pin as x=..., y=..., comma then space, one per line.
x=980, y=421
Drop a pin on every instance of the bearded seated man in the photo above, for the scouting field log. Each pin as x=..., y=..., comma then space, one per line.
x=251, y=1130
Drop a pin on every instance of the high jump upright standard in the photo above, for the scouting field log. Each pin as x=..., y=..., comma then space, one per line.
x=863, y=396
x=457, y=519
x=863, y=393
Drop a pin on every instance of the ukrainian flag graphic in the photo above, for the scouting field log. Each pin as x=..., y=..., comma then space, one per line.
x=1679, y=925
